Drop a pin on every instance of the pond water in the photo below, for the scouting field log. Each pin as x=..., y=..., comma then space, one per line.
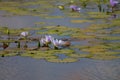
x=24, y=68
x=29, y=21
x=28, y=68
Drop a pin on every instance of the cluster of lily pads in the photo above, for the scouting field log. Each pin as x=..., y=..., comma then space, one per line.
x=102, y=42
x=109, y=5
x=45, y=6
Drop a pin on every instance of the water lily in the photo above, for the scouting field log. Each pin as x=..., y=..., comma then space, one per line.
x=57, y=43
x=113, y=3
x=46, y=40
x=24, y=34
x=75, y=8
x=43, y=42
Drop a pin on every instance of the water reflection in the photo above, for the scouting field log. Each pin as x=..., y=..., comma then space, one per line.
x=22, y=68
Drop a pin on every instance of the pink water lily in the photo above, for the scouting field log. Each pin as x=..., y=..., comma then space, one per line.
x=75, y=8
x=113, y=2
x=48, y=38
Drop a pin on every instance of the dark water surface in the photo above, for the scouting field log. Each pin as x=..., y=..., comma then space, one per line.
x=23, y=68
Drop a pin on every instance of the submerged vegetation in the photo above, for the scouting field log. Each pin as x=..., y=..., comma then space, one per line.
x=102, y=40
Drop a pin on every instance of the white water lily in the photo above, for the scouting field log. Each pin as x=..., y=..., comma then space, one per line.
x=55, y=43
x=46, y=40
x=58, y=43
x=78, y=9
x=42, y=41
x=61, y=42
x=24, y=34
